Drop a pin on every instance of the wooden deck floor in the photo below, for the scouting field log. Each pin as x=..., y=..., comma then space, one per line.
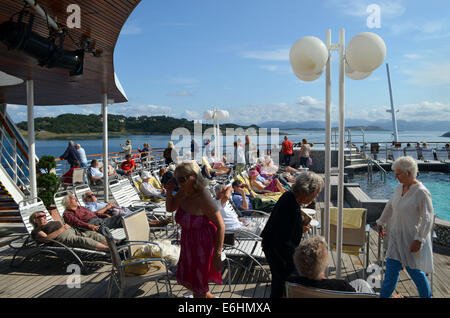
x=46, y=277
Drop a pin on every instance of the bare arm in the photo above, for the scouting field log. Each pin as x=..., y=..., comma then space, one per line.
x=173, y=202
x=211, y=211
x=41, y=236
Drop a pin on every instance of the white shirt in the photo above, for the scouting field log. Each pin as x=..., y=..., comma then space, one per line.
x=95, y=172
x=82, y=154
x=406, y=219
x=149, y=190
x=230, y=218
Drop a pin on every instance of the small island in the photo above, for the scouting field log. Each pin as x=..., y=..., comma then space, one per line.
x=447, y=134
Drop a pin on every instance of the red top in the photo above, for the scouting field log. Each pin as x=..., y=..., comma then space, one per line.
x=81, y=216
x=287, y=147
x=127, y=165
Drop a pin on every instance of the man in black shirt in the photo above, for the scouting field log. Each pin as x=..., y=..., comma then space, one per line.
x=284, y=229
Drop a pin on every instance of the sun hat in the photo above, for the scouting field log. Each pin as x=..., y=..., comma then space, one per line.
x=146, y=175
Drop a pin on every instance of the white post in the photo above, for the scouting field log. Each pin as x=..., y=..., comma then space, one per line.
x=326, y=218
x=105, y=146
x=341, y=151
x=31, y=143
x=394, y=118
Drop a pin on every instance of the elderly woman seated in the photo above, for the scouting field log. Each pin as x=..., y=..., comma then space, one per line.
x=311, y=262
x=64, y=233
x=230, y=218
x=262, y=185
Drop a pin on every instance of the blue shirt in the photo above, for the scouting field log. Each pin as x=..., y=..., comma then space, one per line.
x=237, y=199
x=95, y=206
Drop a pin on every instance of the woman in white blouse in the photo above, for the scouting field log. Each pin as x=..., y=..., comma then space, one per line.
x=406, y=222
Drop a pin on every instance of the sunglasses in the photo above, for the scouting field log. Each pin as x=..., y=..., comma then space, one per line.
x=90, y=196
x=40, y=216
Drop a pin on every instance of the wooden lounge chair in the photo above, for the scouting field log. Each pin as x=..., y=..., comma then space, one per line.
x=138, y=231
x=54, y=248
x=300, y=291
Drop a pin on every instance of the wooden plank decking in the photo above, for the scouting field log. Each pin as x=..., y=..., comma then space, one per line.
x=47, y=278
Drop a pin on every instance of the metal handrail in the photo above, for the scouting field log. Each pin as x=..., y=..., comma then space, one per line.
x=370, y=164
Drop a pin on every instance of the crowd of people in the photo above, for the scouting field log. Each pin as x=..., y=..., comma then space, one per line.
x=204, y=218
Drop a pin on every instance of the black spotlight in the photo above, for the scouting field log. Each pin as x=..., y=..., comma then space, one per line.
x=19, y=36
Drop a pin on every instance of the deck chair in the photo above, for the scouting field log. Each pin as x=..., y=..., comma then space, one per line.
x=80, y=191
x=442, y=155
x=118, y=234
x=137, y=182
x=54, y=248
x=397, y=153
x=355, y=235
x=77, y=178
x=138, y=231
x=412, y=153
x=268, y=196
x=299, y=291
x=427, y=155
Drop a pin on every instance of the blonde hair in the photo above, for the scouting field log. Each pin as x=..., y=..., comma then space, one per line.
x=191, y=168
x=171, y=145
x=33, y=218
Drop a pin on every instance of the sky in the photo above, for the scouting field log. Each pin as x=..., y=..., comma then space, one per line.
x=180, y=58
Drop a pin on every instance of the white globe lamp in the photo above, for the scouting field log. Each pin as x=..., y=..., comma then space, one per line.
x=308, y=56
x=355, y=75
x=365, y=52
x=208, y=115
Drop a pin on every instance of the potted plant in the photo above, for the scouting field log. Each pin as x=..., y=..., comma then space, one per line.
x=47, y=181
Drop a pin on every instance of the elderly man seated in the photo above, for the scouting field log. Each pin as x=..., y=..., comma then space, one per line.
x=83, y=218
x=112, y=209
x=148, y=190
x=230, y=218
x=96, y=174
x=64, y=233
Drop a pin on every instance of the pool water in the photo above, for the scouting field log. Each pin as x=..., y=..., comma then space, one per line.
x=437, y=183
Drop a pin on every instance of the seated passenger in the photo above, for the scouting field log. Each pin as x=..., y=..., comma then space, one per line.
x=147, y=189
x=96, y=175
x=112, y=209
x=65, y=234
x=68, y=176
x=241, y=200
x=230, y=218
x=127, y=166
x=83, y=218
x=261, y=185
x=311, y=262
x=261, y=170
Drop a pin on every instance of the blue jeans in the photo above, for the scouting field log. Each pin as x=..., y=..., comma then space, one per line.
x=393, y=268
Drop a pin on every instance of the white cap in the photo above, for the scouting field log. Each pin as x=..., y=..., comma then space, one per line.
x=146, y=175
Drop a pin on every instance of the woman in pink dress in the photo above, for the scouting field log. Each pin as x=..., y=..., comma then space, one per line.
x=202, y=230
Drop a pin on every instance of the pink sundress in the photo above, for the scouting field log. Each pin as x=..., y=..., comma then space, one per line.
x=195, y=265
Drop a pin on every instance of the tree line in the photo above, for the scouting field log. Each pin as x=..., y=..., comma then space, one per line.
x=77, y=123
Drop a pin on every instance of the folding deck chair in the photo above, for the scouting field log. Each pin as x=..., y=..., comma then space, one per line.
x=54, y=248
x=427, y=155
x=442, y=155
x=412, y=153
x=118, y=234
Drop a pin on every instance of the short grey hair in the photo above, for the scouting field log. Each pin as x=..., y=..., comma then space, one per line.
x=66, y=199
x=308, y=183
x=406, y=164
x=311, y=257
x=218, y=188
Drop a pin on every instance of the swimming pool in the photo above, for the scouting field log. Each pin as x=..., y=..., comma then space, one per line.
x=437, y=183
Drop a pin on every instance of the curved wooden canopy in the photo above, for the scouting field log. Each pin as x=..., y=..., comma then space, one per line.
x=102, y=21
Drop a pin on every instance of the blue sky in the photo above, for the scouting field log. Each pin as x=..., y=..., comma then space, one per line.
x=179, y=58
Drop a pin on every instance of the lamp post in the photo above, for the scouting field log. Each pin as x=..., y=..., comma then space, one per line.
x=216, y=115
x=309, y=56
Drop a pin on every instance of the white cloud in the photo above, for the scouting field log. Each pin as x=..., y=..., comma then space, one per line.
x=179, y=94
x=281, y=54
x=435, y=73
x=358, y=8
x=271, y=68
